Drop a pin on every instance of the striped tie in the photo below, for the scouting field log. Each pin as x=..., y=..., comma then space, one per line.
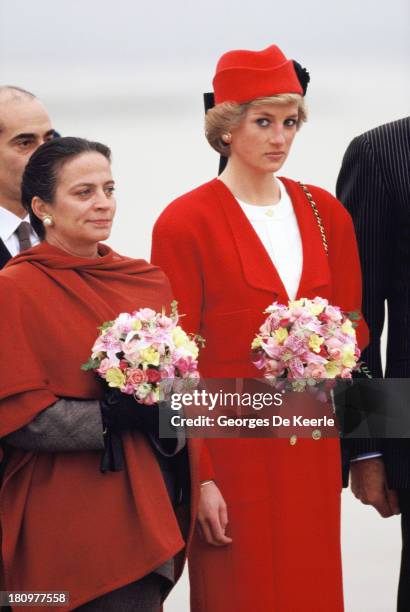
x=23, y=234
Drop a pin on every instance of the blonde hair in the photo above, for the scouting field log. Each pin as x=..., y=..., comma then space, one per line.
x=225, y=117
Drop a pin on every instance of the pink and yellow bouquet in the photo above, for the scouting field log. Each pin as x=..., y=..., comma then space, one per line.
x=146, y=354
x=306, y=345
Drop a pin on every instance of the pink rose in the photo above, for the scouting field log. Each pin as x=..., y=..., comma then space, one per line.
x=136, y=377
x=104, y=366
x=315, y=371
x=333, y=313
x=333, y=343
x=145, y=314
x=336, y=354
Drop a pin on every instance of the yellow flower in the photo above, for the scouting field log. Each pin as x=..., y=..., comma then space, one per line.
x=295, y=303
x=136, y=325
x=315, y=342
x=182, y=340
x=316, y=309
x=192, y=348
x=281, y=334
x=150, y=356
x=348, y=359
x=179, y=337
x=114, y=377
x=347, y=328
x=256, y=342
x=332, y=369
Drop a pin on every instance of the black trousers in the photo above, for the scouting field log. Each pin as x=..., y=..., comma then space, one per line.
x=403, y=601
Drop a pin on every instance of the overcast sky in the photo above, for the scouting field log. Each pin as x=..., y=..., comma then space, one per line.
x=137, y=32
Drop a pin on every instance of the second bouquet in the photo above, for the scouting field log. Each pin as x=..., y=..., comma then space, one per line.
x=146, y=354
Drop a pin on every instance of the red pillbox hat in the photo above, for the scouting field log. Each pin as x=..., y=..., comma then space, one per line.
x=242, y=76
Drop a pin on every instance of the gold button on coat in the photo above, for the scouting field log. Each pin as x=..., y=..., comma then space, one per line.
x=292, y=440
x=316, y=434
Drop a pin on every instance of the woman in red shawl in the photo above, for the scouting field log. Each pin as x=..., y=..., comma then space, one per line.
x=270, y=516
x=111, y=538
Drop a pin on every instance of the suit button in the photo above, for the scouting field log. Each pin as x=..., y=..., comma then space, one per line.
x=293, y=439
x=316, y=434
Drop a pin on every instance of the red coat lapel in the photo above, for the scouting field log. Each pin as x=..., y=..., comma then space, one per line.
x=257, y=266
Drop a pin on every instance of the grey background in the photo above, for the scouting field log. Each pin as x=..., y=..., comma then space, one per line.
x=131, y=74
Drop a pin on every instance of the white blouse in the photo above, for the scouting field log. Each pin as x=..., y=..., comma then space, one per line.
x=278, y=230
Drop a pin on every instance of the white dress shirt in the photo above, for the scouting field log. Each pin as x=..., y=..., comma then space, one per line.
x=9, y=222
x=278, y=230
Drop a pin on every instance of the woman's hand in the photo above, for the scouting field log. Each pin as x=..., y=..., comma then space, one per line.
x=213, y=515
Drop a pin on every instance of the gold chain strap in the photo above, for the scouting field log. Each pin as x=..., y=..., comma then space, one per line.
x=318, y=218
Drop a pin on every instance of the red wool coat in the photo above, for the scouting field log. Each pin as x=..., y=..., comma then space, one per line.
x=283, y=500
x=64, y=525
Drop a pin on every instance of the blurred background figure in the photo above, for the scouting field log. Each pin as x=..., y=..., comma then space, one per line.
x=24, y=126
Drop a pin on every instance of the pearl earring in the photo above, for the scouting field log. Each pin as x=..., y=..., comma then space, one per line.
x=47, y=220
x=226, y=138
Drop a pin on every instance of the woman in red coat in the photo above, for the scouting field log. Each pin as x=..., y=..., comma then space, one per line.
x=230, y=248
x=112, y=540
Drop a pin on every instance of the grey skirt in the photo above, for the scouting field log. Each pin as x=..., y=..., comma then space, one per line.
x=145, y=595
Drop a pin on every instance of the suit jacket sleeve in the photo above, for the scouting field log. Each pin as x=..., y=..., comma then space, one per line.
x=361, y=188
x=346, y=277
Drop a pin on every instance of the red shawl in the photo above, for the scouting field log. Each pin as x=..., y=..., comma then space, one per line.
x=65, y=526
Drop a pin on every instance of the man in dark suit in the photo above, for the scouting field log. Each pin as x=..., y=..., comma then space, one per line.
x=374, y=185
x=24, y=126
